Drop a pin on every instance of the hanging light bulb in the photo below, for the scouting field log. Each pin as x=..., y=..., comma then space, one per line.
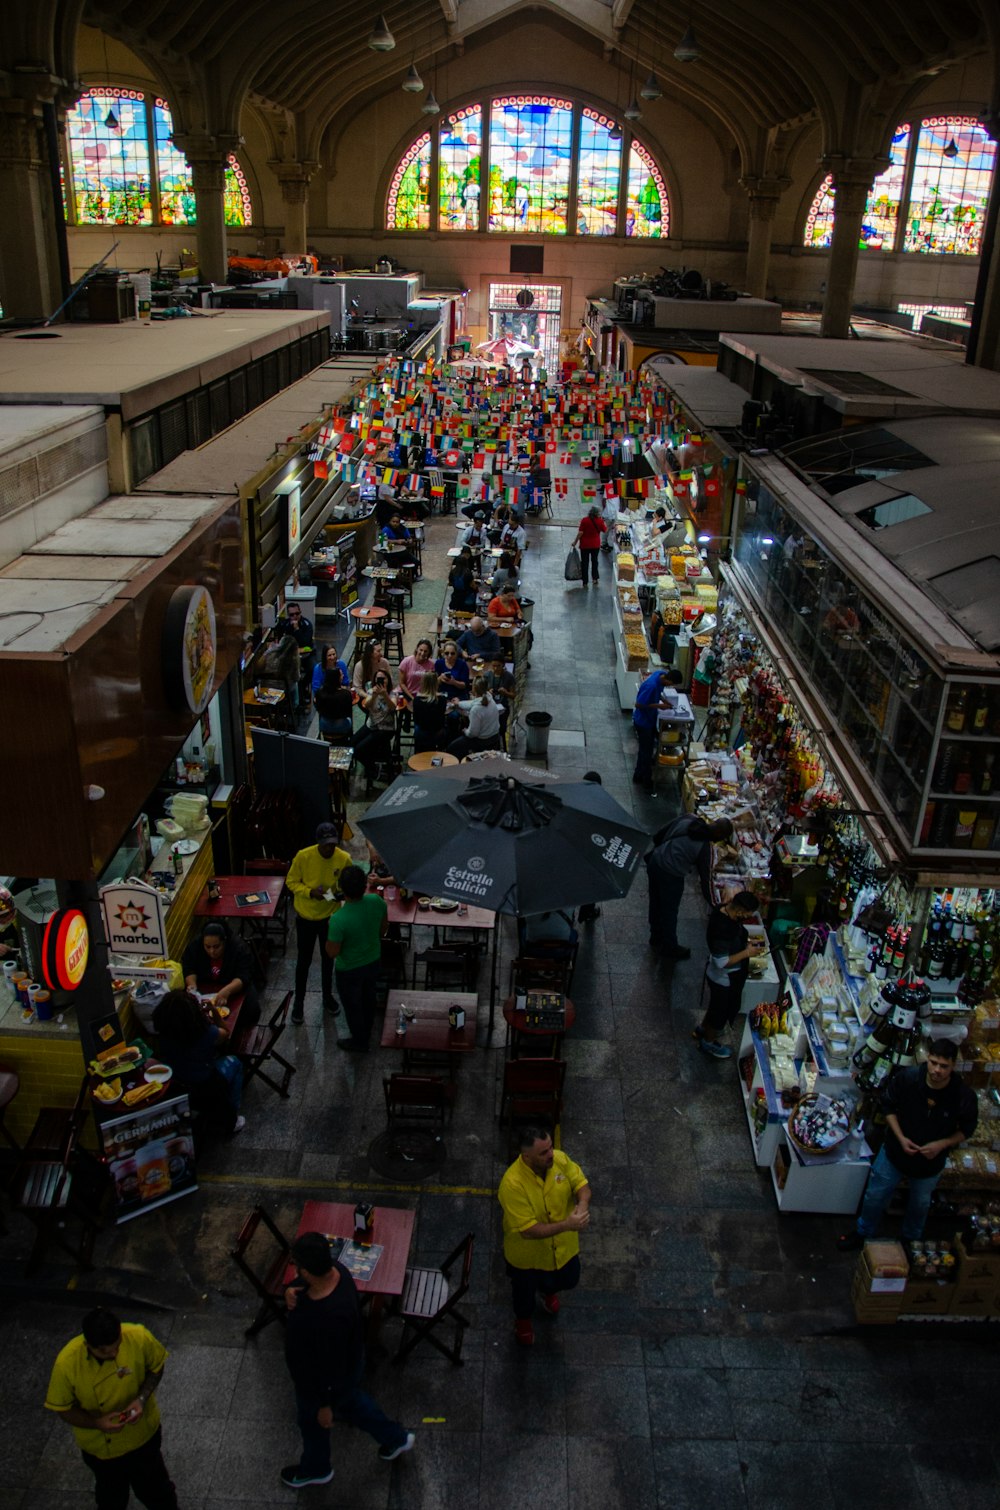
x=951, y=151
x=381, y=38
x=430, y=105
x=651, y=89
x=111, y=120
x=413, y=83
x=614, y=132
x=632, y=111
x=687, y=49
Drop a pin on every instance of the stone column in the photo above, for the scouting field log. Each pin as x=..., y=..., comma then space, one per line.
x=764, y=194
x=294, y=178
x=29, y=285
x=208, y=158
x=852, y=179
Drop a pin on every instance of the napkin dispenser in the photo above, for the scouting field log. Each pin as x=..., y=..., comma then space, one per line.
x=456, y=1017
x=364, y=1220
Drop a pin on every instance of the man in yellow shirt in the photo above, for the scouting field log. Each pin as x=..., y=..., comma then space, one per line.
x=314, y=881
x=546, y=1205
x=102, y=1385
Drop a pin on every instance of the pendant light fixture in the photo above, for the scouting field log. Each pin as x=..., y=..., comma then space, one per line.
x=951, y=151
x=632, y=111
x=112, y=122
x=381, y=38
x=430, y=105
x=413, y=83
x=687, y=49
x=651, y=89
x=614, y=132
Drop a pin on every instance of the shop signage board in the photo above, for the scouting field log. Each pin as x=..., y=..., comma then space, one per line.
x=150, y=1156
x=65, y=949
x=134, y=918
x=190, y=646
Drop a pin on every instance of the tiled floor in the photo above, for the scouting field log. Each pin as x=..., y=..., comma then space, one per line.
x=709, y=1356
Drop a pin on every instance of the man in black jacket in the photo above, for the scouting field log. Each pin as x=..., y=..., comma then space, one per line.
x=928, y=1112
x=325, y=1354
x=680, y=847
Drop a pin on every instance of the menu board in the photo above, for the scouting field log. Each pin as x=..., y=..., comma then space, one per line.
x=150, y=1155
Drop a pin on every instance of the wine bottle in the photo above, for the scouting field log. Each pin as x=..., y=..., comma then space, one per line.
x=981, y=711
x=957, y=709
x=984, y=786
x=961, y=779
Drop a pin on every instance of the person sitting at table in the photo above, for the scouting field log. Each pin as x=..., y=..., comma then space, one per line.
x=501, y=684
x=505, y=572
x=413, y=668
x=453, y=673
x=396, y=531
x=478, y=642
x=218, y=964
x=191, y=1040
x=372, y=660
x=462, y=581
x=335, y=705
x=295, y=623
x=378, y=871
x=428, y=715
x=279, y=667
x=373, y=743
x=328, y=661
x=505, y=605
x=482, y=728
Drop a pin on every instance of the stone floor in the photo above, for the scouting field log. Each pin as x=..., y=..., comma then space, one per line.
x=710, y=1354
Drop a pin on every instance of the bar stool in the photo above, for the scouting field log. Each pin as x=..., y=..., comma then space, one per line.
x=392, y=637
x=394, y=600
x=362, y=637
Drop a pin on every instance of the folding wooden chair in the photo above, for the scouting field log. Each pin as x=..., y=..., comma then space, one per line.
x=52, y=1191
x=255, y=1046
x=265, y=1271
x=55, y=1125
x=428, y=1299
x=533, y=1088
x=417, y=1098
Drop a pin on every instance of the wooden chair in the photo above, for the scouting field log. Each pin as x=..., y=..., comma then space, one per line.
x=51, y=1192
x=417, y=1098
x=533, y=1088
x=443, y=968
x=255, y=1047
x=428, y=1300
x=54, y=1125
x=265, y=1270
x=531, y=972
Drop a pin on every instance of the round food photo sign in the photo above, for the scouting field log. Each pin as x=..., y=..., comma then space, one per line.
x=189, y=648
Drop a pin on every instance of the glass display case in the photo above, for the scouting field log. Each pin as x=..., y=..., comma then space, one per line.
x=927, y=739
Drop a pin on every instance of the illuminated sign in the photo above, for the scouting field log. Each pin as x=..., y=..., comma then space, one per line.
x=65, y=949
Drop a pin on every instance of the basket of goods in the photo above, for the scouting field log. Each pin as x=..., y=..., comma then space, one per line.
x=818, y=1125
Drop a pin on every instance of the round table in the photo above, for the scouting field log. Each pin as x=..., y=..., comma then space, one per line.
x=369, y=615
x=517, y=1027
x=425, y=760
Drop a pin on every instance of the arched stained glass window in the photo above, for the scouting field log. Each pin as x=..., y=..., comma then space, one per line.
x=515, y=164
x=410, y=191
x=531, y=152
x=459, y=169
x=116, y=181
x=950, y=189
x=108, y=145
x=935, y=199
x=647, y=210
x=599, y=174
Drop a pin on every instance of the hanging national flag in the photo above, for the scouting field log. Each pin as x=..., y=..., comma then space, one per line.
x=609, y=490
x=479, y=460
x=464, y=487
x=320, y=469
x=510, y=496
x=451, y=459
x=550, y=447
x=741, y=487
x=437, y=490
x=371, y=447
x=347, y=444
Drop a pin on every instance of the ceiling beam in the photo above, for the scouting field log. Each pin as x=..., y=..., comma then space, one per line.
x=620, y=12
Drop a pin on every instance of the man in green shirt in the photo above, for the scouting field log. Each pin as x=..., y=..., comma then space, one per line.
x=314, y=881
x=103, y=1385
x=355, y=947
x=354, y=943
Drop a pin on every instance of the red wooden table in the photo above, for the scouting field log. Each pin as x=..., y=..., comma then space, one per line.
x=393, y=1231
x=257, y=914
x=518, y=1025
x=230, y=1022
x=430, y=1031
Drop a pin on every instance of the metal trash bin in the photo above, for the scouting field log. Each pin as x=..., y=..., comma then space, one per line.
x=527, y=609
x=537, y=743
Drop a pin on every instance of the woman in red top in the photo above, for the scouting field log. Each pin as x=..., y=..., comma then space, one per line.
x=505, y=604
x=588, y=538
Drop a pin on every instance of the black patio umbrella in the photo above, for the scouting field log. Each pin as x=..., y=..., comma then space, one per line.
x=506, y=837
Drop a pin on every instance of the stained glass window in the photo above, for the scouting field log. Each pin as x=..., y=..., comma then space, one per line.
x=599, y=172
x=109, y=157
x=409, y=207
x=647, y=210
x=459, y=163
x=111, y=164
x=946, y=205
x=531, y=152
x=948, y=198
x=517, y=176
